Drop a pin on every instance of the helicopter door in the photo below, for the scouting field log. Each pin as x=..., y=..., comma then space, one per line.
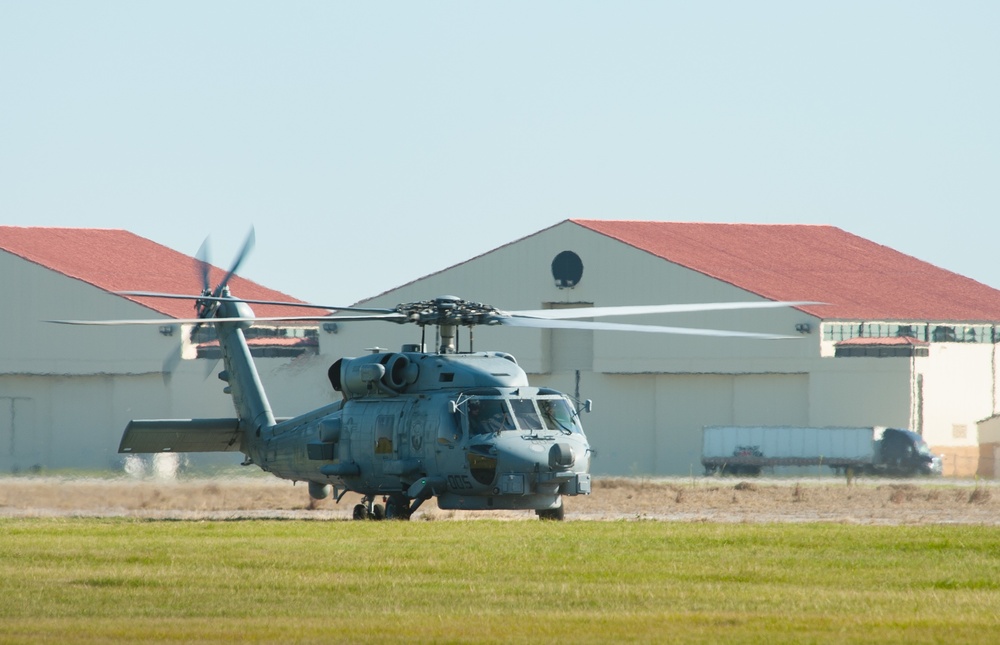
x=389, y=440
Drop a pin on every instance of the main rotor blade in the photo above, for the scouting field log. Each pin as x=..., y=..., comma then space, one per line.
x=247, y=246
x=283, y=303
x=655, y=329
x=633, y=310
x=398, y=318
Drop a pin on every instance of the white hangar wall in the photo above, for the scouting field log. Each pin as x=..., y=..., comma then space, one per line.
x=955, y=388
x=76, y=421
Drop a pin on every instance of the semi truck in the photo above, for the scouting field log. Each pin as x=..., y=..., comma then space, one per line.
x=876, y=450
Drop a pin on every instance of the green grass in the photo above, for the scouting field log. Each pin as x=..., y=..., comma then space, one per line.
x=306, y=581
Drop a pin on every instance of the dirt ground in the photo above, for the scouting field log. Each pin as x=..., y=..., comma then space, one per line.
x=869, y=501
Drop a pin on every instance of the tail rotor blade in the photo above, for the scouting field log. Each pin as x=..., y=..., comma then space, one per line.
x=247, y=247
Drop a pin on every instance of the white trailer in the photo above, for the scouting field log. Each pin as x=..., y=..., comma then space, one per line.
x=873, y=450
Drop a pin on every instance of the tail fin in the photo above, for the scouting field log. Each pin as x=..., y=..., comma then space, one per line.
x=249, y=399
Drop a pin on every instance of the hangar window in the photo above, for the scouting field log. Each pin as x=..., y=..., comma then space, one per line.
x=838, y=332
x=567, y=269
x=943, y=334
x=875, y=351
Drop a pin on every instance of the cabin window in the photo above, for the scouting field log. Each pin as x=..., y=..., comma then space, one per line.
x=383, y=434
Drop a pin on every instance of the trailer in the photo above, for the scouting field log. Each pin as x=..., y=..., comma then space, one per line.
x=874, y=450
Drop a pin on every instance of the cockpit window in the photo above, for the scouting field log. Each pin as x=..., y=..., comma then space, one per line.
x=558, y=415
x=488, y=416
x=527, y=416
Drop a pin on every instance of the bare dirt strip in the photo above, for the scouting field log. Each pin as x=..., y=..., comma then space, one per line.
x=869, y=501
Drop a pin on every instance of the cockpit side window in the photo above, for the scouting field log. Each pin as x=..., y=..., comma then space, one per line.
x=558, y=415
x=488, y=416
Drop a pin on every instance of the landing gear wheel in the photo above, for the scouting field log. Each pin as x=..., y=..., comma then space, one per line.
x=397, y=508
x=378, y=512
x=557, y=514
x=360, y=512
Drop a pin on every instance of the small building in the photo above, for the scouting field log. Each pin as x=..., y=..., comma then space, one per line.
x=891, y=341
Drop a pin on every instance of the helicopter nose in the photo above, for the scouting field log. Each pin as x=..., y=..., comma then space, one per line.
x=561, y=456
x=528, y=457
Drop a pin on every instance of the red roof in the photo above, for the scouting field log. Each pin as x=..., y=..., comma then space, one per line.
x=859, y=279
x=116, y=260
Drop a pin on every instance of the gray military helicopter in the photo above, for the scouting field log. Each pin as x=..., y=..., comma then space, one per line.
x=466, y=428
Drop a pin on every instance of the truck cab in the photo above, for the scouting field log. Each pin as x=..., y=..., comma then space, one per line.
x=905, y=453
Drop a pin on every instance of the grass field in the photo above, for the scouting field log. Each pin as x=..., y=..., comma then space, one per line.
x=127, y=580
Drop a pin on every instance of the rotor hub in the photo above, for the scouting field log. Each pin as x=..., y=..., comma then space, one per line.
x=448, y=310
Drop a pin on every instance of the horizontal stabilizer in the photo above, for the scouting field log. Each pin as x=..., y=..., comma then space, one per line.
x=181, y=435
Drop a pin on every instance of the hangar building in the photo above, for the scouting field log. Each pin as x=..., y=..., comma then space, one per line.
x=898, y=342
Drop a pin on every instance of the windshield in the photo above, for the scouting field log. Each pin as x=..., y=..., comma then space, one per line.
x=558, y=415
x=527, y=415
x=918, y=442
x=493, y=415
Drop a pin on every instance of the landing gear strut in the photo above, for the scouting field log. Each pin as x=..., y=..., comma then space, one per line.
x=369, y=510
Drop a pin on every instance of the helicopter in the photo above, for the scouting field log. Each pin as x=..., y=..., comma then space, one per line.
x=465, y=428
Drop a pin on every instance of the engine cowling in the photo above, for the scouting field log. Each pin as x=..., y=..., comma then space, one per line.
x=387, y=374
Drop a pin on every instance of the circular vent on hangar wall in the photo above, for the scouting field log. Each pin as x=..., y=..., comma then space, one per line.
x=567, y=269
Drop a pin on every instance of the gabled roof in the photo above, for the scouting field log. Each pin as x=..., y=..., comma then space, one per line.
x=116, y=260
x=859, y=279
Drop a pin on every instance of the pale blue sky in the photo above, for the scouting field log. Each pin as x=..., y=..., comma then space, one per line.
x=373, y=143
